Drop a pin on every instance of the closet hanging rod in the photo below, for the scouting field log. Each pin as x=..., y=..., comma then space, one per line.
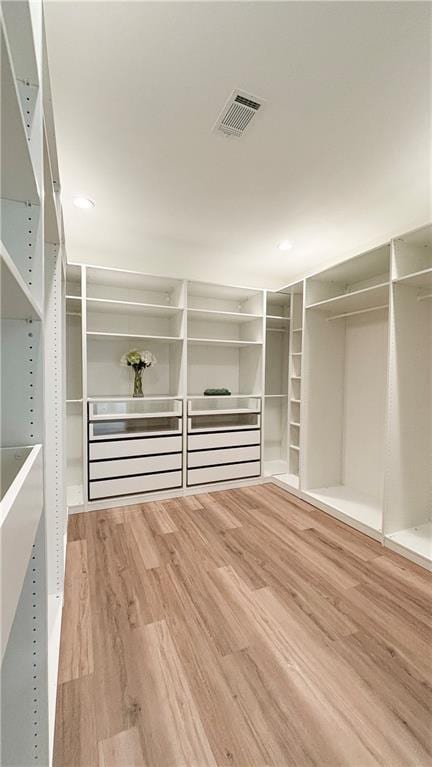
x=359, y=311
x=425, y=297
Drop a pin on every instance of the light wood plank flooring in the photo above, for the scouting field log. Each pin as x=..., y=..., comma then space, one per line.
x=240, y=628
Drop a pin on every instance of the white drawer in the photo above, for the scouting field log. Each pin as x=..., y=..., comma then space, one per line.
x=223, y=473
x=124, y=448
x=127, y=429
x=223, y=439
x=123, y=467
x=223, y=455
x=231, y=422
x=145, y=483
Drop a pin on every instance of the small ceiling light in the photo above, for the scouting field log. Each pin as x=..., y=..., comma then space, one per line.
x=285, y=245
x=84, y=202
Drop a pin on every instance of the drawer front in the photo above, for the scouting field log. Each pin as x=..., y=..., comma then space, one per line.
x=125, y=448
x=223, y=455
x=223, y=473
x=110, y=488
x=123, y=467
x=223, y=439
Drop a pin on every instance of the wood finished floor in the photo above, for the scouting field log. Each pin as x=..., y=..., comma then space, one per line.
x=240, y=628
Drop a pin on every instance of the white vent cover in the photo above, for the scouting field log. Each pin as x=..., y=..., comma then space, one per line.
x=237, y=113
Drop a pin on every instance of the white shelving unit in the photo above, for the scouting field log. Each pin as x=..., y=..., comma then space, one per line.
x=335, y=401
x=32, y=508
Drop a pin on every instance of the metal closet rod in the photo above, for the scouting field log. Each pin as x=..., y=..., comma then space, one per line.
x=359, y=311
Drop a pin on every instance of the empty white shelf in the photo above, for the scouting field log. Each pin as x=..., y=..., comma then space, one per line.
x=421, y=279
x=352, y=503
x=213, y=315
x=163, y=339
x=221, y=396
x=358, y=300
x=114, y=306
x=131, y=399
x=276, y=396
x=417, y=540
x=223, y=342
x=17, y=302
x=294, y=447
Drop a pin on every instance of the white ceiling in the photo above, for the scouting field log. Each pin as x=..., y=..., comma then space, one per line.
x=337, y=161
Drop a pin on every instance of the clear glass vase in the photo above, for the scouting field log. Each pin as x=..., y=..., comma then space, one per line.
x=138, y=390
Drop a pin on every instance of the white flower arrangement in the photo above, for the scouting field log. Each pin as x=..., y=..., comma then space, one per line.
x=138, y=360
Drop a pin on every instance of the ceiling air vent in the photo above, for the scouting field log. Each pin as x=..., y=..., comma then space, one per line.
x=237, y=113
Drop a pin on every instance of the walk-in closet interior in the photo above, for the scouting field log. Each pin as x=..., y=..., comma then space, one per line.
x=289, y=391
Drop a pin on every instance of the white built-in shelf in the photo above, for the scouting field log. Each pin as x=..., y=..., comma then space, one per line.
x=297, y=330
x=18, y=174
x=73, y=401
x=277, y=324
x=277, y=317
x=417, y=540
x=114, y=306
x=357, y=301
x=162, y=339
x=296, y=378
x=352, y=503
x=296, y=401
x=421, y=279
x=223, y=342
x=276, y=396
x=212, y=315
x=296, y=354
x=17, y=302
x=73, y=298
x=294, y=423
x=294, y=447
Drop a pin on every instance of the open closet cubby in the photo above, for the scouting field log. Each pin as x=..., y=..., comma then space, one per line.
x=106, y=376
x=347, y=364
x=224, y=366
x=355, y=285
x=412, y=259
x=133, y=287
x=73, y=281
x=408, y=516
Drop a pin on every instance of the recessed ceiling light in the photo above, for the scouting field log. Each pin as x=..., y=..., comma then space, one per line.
x=84, y=202
x=285, y=245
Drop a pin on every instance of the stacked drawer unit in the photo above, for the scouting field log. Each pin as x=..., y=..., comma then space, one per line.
x=134, y=447
x=223, y=440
